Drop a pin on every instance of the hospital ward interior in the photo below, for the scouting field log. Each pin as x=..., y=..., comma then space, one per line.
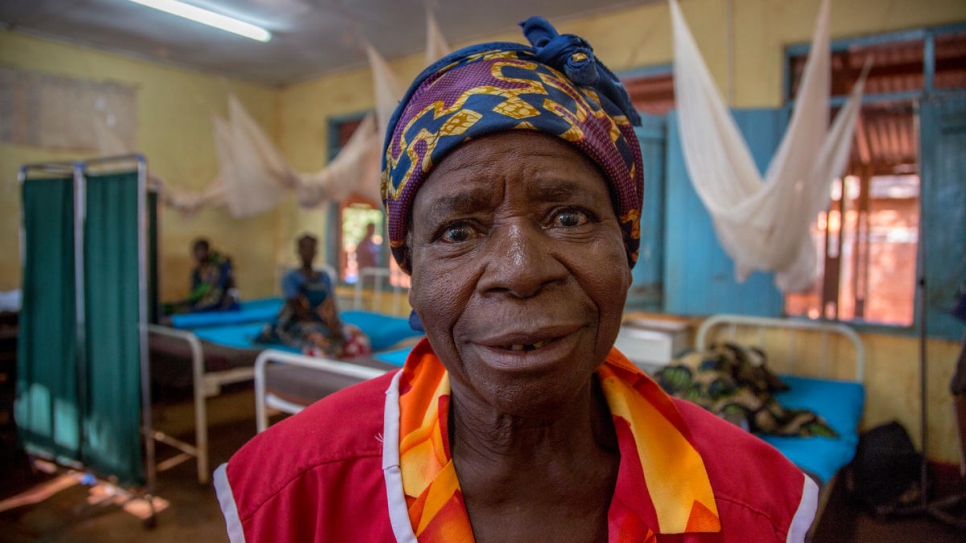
x=195, y=245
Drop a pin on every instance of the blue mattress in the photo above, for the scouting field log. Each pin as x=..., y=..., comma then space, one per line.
x=396, y=357
x=383, y=331
x=239, y=336
x=254, y=311
x=840, y=404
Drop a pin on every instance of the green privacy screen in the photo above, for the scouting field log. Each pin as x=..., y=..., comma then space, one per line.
x=47, y=406
x=83, y=404
x=112, y=423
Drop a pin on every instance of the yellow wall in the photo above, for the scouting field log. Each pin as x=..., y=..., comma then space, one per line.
x=174, y=133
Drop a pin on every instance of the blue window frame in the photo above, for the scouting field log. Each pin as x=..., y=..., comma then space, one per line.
x=682, y=268
x=938, y=99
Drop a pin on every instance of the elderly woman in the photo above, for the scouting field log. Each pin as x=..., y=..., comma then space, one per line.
x=513, y=189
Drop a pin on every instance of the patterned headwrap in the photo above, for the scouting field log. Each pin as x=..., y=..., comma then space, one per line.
x=557, y=86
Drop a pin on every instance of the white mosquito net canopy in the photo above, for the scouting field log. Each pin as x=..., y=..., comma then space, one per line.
x=253, y=176
x=763, y=222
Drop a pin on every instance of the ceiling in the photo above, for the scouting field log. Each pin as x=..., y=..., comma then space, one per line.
x=309, y=37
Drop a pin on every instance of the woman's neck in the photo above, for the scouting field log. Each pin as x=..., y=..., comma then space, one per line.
x=500, y=448
x=518, y=474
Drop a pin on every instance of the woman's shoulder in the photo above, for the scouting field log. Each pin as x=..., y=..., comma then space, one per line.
x=750, y=478
x=341, y=416
x=292, y=274
x=343, y=426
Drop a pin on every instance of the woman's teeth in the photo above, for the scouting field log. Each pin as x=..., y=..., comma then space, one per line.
x=532, y=347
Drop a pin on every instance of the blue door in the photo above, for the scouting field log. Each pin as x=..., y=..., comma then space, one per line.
x=942, y=141
x=647, y=290
x=699, y=276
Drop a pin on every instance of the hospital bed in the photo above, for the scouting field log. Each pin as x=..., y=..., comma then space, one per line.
x=221, y=349
x=287, y=382
x=823, y=364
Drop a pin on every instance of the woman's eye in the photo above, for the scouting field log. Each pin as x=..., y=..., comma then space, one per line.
x=456, y=234
x=569, y=218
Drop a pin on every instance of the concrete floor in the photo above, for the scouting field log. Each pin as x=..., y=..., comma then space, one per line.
x=192, y=513
x=190, y=509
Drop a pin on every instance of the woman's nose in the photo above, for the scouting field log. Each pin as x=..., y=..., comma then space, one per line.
x=520, y=261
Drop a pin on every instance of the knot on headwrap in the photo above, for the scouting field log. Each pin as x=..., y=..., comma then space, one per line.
x=573, y=56
x=570, y=54
x=557, y=87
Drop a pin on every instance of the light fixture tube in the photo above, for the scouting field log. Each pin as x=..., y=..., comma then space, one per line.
x=209, y=18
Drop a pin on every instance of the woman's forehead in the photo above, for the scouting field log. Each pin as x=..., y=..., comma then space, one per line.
x=542, y=167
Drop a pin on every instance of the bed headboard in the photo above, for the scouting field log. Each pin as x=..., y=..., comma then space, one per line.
x=375, y=280
x=800, y=333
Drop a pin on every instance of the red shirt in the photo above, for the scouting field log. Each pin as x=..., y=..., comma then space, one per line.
x=319, y=477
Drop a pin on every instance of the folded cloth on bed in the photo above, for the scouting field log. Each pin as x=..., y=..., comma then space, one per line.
x=734, y=383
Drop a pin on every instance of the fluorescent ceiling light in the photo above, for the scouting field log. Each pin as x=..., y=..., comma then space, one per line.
x=209, y=18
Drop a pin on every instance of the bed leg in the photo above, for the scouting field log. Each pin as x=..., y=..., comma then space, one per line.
x=201, y=411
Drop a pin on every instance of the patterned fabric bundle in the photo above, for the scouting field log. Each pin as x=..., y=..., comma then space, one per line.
x=557, y=87
x=651, y=435
x=735, y=383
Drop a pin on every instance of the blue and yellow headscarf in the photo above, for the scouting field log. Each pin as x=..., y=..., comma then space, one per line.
x=556, y=86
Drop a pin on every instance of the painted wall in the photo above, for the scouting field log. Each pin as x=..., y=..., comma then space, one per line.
x=175, y=134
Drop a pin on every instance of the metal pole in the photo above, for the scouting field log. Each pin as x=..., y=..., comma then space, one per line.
x=80, y=309
x=921, y=285
x=145, y=361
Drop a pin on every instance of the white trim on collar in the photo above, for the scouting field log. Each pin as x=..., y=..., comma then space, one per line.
x=398, y=510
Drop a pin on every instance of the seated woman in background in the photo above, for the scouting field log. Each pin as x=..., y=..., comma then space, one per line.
x=309, y=320
x=212, y=283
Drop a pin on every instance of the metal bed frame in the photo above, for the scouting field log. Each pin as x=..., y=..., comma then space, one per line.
x=264, y=400
x=208, y=384
x=793, y=326
x=204, y=385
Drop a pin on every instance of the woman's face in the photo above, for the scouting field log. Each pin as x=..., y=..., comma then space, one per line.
x=306, y=249
x=519, y=271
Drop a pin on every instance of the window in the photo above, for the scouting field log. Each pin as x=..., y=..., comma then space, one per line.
x=867, y=241
x=653, y=92
x=869, y=236
x=353, y=217
x=356, y=216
